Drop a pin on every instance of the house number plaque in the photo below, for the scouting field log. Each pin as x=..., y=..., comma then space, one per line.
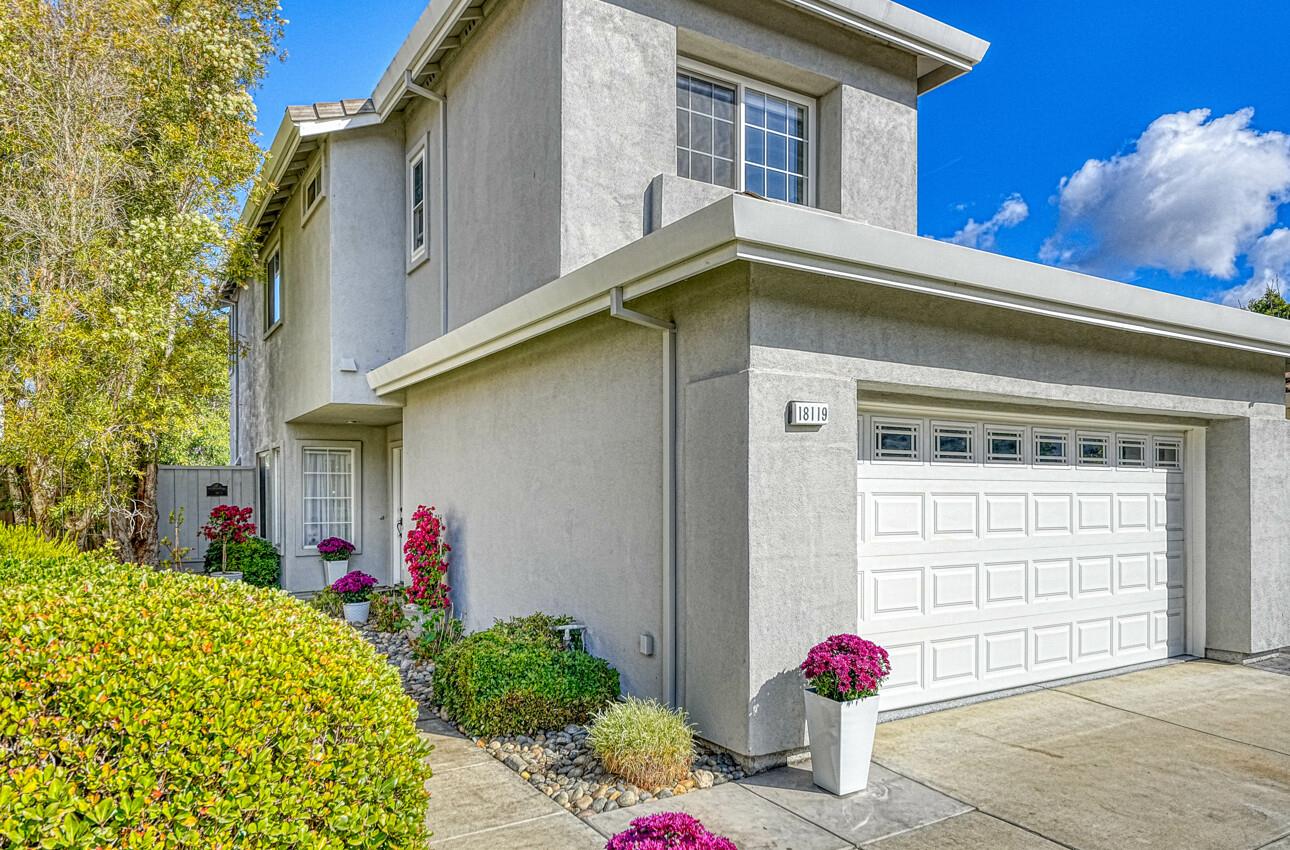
x=808, y=413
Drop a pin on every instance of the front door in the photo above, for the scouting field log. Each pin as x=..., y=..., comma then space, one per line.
x=397, y=572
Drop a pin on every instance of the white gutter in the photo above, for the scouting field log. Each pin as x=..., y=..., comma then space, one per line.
x=743, y=228
x=671, y=669
x=411, y=87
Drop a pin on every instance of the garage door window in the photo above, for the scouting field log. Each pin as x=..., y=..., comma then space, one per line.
x=1133, y=451
x=1094, y=449
x=1168, y=453
x=895, y=440
x=1005, y=445
x=1052, y=447
x=953, y=443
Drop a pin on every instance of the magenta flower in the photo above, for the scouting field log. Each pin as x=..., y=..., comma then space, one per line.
x=668, y=831
x=355, y=586
x=846, y=668
x=335, y=549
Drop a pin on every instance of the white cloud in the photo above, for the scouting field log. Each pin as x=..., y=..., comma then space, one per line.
x=1270, y=261
x=1193, y=194
x=980, y=234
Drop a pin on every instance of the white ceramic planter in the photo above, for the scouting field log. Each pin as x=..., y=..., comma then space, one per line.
x=227, y=576
x=841, y=738
x=356, y=612
x=334, y=570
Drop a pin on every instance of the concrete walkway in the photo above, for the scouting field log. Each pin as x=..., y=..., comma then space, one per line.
x=1193, y=756
x=477, y=803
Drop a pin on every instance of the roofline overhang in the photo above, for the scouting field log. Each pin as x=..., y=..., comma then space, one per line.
x=742, y=228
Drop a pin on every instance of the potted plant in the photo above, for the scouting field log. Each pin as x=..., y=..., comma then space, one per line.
x=844, y=674
x=355, y=592
x=226, y=524
x=335, y=552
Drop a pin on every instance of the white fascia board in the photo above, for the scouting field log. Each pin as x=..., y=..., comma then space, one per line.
x=823, y=243
x=739, y=227
x=285, y=142
x=323, y=126
x=430, y=30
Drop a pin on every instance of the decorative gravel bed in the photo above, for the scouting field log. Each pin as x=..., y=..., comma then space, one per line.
x=559, y=763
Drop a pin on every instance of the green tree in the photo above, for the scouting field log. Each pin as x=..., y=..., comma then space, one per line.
x=1271, y=303
x=126, y=134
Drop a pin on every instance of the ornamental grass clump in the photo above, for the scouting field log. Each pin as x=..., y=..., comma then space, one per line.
x=846, y=668
x=668, y=831
x=644, y=742
x=144, y=708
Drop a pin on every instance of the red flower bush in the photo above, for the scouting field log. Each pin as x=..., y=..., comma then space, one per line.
x=426, y=554
x=229, y=524
x=846, y=667
x=668, y=831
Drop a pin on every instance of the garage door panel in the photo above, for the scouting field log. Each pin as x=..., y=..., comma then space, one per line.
x=980, y=576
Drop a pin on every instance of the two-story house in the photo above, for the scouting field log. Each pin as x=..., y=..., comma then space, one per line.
x=631, y=291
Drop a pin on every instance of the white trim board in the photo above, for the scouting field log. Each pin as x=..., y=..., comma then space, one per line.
x=740, y=227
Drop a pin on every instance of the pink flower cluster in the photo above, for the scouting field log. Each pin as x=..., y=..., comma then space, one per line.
x=668, y=831
x=229, y=524
x=846, y=667
x=354, y=586
x=426, y=553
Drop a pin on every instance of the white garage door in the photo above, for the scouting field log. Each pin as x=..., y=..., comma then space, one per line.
x=998, y=554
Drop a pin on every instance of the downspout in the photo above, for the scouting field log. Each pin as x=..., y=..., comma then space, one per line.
x=412, y=87
x=671, y=675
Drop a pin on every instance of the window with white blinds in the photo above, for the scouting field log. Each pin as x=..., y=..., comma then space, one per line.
x=330, y=501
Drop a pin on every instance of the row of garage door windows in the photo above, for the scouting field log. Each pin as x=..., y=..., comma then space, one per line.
x=961, y=442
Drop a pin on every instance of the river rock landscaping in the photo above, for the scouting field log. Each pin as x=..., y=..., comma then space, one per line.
x=558, y=762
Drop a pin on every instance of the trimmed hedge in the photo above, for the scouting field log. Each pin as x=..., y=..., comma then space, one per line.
x=514, y=678
x=141, y=708
x=255, y=558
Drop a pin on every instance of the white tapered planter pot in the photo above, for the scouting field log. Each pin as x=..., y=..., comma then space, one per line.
x=356, y=612
x=335, y=570
x=841, y=738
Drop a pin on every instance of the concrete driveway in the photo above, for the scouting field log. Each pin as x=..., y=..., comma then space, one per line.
x=1188, y=756
x=1193, y=755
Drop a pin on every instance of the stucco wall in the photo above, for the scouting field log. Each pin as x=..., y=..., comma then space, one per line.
x=546, y=463
x=367, y=269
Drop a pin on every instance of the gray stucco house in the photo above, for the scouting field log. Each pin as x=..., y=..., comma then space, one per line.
x=632, y=291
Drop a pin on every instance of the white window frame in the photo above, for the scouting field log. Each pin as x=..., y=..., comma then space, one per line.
x=914, y=426
x=355, y=449
x=1142, y=441
x=954, y=429
x=1107, y=442
x=740, y=83
x=272, y=512
x=1004, y=432
x=1174, y=443
x=1038, y=435
x=270, y=324
x=418, y=255
x=316, y=172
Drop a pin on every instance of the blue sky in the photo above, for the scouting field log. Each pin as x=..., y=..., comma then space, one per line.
x=1194, y=209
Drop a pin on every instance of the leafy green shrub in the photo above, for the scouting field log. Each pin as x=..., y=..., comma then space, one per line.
x=142, y=708
x=536, y=628
x=255, y=558
x=516, y=678
x=644, y=742
x=386, y=612
x=327, y=601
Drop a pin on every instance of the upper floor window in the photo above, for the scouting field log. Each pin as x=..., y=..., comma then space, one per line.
x=312, y=193
x=417, y=205
x=273, y=289
x=743, y=134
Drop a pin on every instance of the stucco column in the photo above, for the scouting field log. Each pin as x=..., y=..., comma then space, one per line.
x=802, y=580
x=1247, y=536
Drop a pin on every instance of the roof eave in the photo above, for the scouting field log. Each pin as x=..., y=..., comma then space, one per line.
x=753, y=230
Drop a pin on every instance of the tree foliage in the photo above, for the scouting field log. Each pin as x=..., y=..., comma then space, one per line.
x=126, y=134
x=1271, y=303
